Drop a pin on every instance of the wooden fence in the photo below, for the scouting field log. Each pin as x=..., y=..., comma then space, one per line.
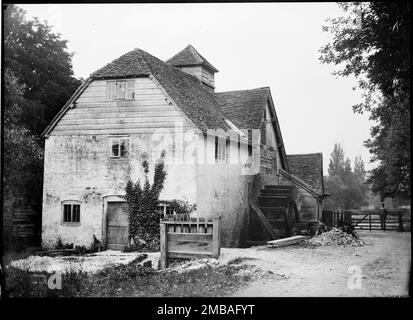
x=187, y=238
x=368, y=220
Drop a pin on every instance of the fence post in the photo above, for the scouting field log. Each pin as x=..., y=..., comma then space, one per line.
x=216, y=237
x=401, y=229
x=164, y=259
x=369, y=221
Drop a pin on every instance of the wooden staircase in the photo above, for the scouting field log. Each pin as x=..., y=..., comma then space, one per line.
x=277, y=205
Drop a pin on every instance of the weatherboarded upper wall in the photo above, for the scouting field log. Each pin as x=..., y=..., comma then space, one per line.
x=94, y=114
x=78, y=163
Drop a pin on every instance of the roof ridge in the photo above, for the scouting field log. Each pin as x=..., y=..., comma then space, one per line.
x=195, y=82
x=143, y=52
x=117, y=60
x=304, y=154
x=183, y=73
x=242, y=90
x=191, y=47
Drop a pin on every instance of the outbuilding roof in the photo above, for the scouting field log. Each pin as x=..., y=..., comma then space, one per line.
x=190, y=57
x=309, y=168
x=245, y=108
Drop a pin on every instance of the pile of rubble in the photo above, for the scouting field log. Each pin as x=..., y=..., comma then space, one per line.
x=184, y=266
x=334, y=237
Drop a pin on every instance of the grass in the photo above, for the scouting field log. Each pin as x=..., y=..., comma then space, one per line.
x=131, y=280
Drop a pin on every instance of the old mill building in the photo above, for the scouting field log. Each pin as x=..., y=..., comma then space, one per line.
x=224, y=153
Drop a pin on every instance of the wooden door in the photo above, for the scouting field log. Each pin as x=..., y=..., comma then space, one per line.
x=117, y=225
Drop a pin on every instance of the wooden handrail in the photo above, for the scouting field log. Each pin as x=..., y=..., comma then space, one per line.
x=300, y=183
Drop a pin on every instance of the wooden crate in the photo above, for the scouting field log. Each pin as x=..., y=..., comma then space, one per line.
x=187, y=239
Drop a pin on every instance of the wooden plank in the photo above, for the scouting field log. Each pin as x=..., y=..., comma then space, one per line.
x=117, y=107
x=94, y=103
x=370, y=221
x=189, y=246
x=263, y=220
x=121, y=120
x=75, y=132
x=216, y=239
x=148, y=125
x=286, y=241
x=195, y=237
x=113, y=111
x=189, y=222
x=156, y=97
x=163, y=246
x=187, y=254
x=100, y=85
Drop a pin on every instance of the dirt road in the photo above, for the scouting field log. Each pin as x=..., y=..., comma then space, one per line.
x=324, y=271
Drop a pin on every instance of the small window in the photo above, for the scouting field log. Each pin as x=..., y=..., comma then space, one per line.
x=71, y=212
x=221, y=149
x=249, y=142
x=119, y=148
x=120, y=90
x=163, y=210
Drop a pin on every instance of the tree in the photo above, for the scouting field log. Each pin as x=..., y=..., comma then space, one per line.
x=336, y=165
x=372, y=42
x=39, y=60
x=22, y=150
x=38, y=79
x=347, y=188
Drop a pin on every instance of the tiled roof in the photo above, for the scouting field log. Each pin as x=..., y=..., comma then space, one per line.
x=131, y=64
x=206, y=109
x=197, y=102
x=245, y=108
x=309, y=168
x=190, y=57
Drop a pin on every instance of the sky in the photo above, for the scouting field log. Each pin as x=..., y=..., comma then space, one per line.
x=252, y=45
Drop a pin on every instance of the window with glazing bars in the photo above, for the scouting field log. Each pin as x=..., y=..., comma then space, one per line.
x=163, y=210
x=119, y=148
x=71, y=212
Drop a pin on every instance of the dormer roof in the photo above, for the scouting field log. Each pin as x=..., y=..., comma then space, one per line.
x=190, y=57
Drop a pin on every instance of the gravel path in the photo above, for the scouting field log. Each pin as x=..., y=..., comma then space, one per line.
x=295, y=271
x=324, y=271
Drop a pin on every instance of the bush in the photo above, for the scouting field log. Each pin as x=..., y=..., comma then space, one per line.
x=62, y=246
x=131, y=270
x=181, y=207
